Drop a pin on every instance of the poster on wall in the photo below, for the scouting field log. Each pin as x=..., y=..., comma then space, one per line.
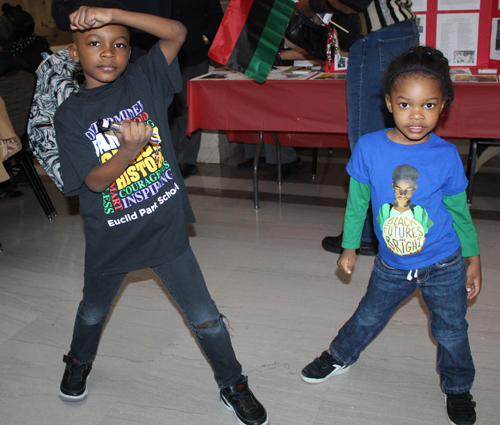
x=459, y=4
x=495, y=39
x=456, y=37
x=420, y=6
x=422, y=27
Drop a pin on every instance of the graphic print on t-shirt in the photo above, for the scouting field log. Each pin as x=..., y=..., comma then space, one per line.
x=142, y=180
x=404, y=224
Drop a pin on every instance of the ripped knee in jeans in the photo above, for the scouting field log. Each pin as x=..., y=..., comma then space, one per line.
x=207, y=325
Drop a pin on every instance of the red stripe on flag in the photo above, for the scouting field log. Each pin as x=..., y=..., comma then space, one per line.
x=230, y=28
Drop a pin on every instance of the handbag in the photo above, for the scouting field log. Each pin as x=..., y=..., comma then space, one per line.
x=304, y=33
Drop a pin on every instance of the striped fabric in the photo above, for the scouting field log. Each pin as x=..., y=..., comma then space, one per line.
x=382, y=13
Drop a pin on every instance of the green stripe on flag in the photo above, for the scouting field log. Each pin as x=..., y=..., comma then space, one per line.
x=264, y=56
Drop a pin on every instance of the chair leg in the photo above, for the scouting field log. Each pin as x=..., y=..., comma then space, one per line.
x=314, y=162
x=471, y=167
x=37, y=186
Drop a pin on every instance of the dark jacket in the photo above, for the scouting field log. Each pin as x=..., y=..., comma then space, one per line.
x=201, y=18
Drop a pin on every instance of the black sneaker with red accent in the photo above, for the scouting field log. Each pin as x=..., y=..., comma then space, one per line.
x=74, y=382
x=240, y=399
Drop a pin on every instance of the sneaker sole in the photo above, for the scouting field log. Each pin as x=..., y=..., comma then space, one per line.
x=449, y=420
x=228, y=406
x=67, y=397
x=340, y=371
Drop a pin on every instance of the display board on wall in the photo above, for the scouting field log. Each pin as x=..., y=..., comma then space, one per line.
x=466, y=31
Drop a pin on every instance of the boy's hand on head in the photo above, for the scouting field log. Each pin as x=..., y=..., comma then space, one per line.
x=90, y=17
x=473, y=277
x=346, y=260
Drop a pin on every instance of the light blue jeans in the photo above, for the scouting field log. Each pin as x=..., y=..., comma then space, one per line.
x=366, y=109
x=443, y=289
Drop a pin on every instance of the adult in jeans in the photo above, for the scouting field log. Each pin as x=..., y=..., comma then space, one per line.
x=387, y=28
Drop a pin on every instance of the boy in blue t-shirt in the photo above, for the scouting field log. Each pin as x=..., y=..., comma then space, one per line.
x=422, y=234
x=132, y=196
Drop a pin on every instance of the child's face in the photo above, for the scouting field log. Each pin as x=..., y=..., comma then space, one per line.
x=416, y=103
x=403, y=191
x=102, y=52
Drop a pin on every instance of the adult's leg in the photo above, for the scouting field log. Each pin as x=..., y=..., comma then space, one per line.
x=443, y=290
x=288, y=155
x=366, y=109
x=184, y=280
x=186, y=148
x=99, y=291
x=387, y=289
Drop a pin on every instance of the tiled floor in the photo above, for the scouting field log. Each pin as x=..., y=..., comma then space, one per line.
x=282, y=293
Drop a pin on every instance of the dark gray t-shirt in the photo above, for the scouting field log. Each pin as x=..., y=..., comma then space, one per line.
x=140, y=220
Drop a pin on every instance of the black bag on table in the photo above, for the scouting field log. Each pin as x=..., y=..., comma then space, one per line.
x=313, y=38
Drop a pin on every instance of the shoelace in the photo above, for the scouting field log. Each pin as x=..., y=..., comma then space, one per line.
x=463, y=405
x=76, y=371
x=410, y=277
x=323, y=361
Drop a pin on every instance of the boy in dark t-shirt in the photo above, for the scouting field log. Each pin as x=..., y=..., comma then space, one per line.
x=132, y=196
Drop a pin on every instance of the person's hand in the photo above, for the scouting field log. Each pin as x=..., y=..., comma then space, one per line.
x=473, y=277
x=90, y=17
x=134, y=136
x=346, y=260
x=303, y=7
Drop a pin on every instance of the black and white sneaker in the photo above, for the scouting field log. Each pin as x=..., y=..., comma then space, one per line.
x=461, y=409
x=240, y=399
x=322, y=368
x=74, y=382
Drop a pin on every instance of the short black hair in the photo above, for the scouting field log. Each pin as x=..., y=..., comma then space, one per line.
x=106, y=4
x=405, y=172
x=420, y=61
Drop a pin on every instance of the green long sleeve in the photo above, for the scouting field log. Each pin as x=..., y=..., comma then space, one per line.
x=462, y=223
x=355, y=214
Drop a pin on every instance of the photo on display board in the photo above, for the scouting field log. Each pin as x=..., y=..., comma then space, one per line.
x=495, y=39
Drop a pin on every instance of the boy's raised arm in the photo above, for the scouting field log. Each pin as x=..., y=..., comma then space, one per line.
x=171, y=33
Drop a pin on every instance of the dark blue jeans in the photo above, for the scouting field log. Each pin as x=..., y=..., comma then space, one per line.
x=443, y=289
x=183, y=279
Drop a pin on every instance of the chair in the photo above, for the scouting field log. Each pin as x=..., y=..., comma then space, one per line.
x=17, y=85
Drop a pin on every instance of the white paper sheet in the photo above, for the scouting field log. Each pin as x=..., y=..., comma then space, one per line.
x=456, y=37
x=422, y=29
x=420, y=6
x=459, y=4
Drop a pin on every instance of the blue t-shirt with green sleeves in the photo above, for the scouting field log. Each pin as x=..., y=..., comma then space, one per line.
x=407, y=185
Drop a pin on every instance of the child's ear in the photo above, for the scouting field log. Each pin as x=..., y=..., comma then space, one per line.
x=442, y=105
x=73, y=52
x=388, y=102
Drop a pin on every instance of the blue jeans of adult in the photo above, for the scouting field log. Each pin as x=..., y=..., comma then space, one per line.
x=366, y=108
x=443, y=289
x=184, y=280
